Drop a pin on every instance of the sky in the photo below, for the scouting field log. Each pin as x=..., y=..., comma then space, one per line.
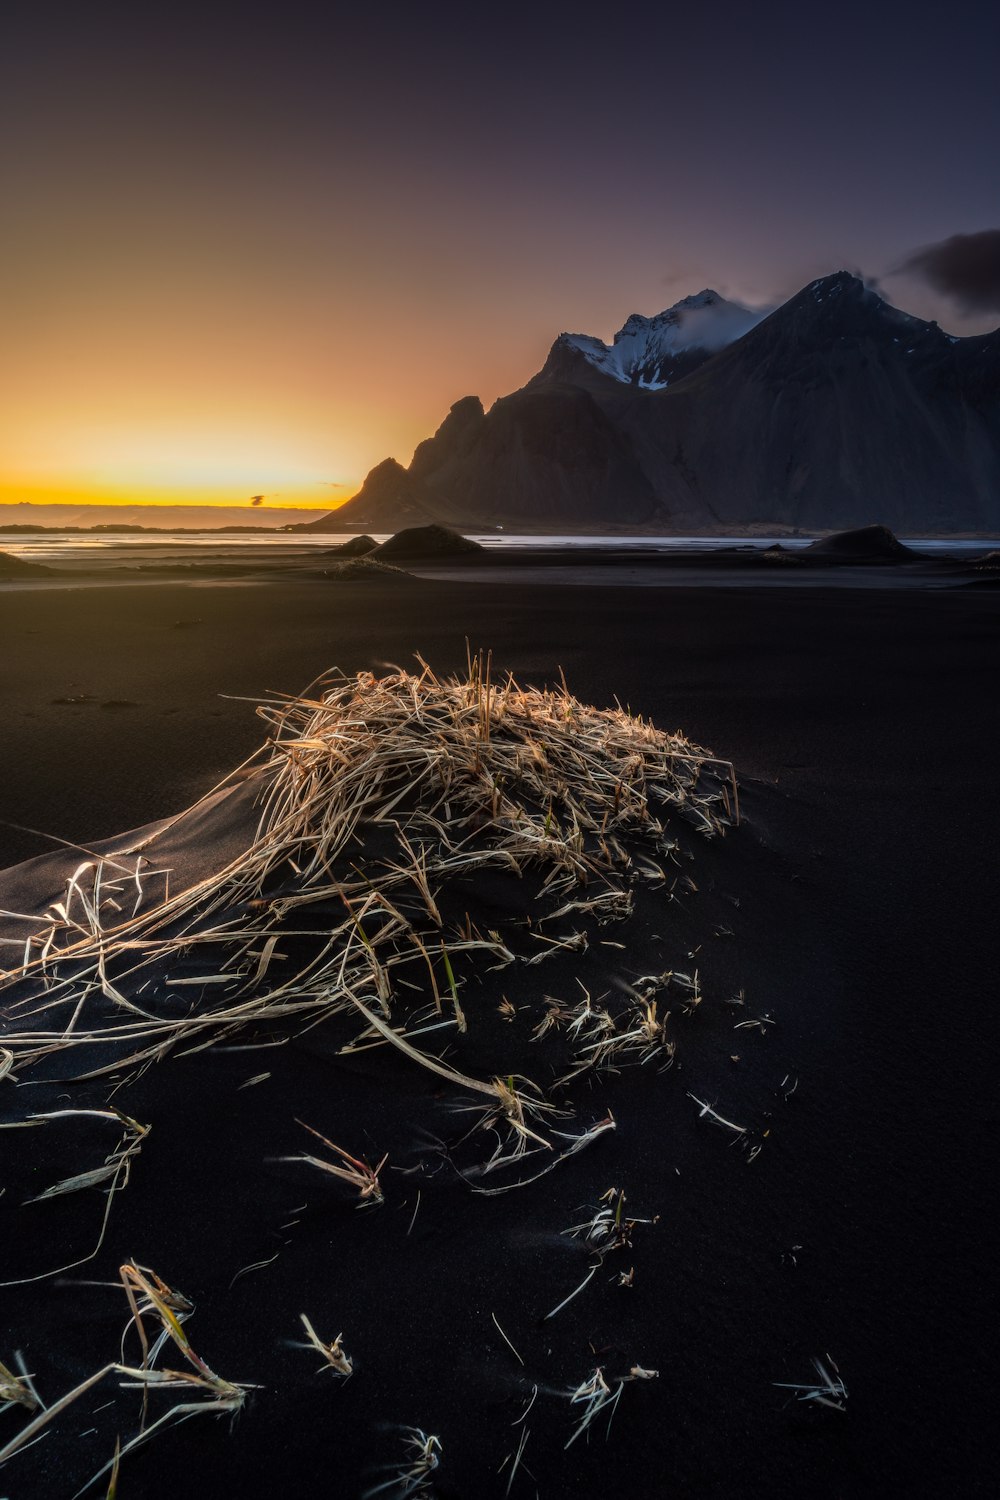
x=253, y=251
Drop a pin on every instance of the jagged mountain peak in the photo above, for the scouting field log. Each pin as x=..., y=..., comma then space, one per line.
x=650, y=353
x=843, y=306
x=836, y=284
x=671, y=317
x=843, y=291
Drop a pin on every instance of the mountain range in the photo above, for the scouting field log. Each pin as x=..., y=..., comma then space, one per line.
x=831, y=411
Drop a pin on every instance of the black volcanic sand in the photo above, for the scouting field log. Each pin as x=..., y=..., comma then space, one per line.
x=859, y=892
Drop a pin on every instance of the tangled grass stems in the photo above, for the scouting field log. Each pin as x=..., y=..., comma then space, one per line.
x=17, y=1390
x=597, y=1397
x=577, y=1143
x=829, y=1390
x=335, y=1357
x=609, y=1228
x=601, y=1046
x=359, y=1173
x=433, y=780
x=412, y=1476
x=117, y=1165
x=147, y=1296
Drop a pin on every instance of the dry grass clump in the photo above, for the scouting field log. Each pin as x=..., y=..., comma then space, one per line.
x=608, y=1228
x=412, y=1476
x=335, y=1356
x=355, y=1171
x=377, y=796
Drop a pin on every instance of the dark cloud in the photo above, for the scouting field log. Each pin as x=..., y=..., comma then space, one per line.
x=965, y=268
x=332, y=484
x=257, y=499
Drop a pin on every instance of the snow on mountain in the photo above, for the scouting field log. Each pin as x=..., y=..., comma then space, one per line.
x=649, y=352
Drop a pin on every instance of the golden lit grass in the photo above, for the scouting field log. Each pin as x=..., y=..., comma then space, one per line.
x=377, y=794
x=335, y=1356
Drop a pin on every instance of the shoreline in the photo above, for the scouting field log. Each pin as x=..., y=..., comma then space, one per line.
x=558, y=564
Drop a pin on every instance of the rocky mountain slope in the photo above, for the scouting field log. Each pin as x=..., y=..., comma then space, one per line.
x=833, y=411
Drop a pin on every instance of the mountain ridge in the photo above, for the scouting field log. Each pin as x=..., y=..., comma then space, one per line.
x=827, y=412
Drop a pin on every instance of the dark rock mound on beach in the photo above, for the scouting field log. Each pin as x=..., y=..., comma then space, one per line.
x=358, y=546
x=779, y=554
x=428, y=541
x=14, y=567
x=875, y=544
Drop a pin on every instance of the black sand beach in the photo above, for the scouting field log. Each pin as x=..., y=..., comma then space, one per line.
x=852, y=907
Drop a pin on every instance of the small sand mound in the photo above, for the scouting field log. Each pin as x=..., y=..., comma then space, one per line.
x=358, y=546
x=15, y=567
x=864, y=544
x=428, y=541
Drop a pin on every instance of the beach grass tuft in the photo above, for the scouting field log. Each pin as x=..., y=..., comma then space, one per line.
x=376, y=796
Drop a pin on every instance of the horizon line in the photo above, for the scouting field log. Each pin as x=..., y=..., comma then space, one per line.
x=158, y=505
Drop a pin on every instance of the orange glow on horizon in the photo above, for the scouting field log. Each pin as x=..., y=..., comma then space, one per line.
x=157, y=384
x=29, y=496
